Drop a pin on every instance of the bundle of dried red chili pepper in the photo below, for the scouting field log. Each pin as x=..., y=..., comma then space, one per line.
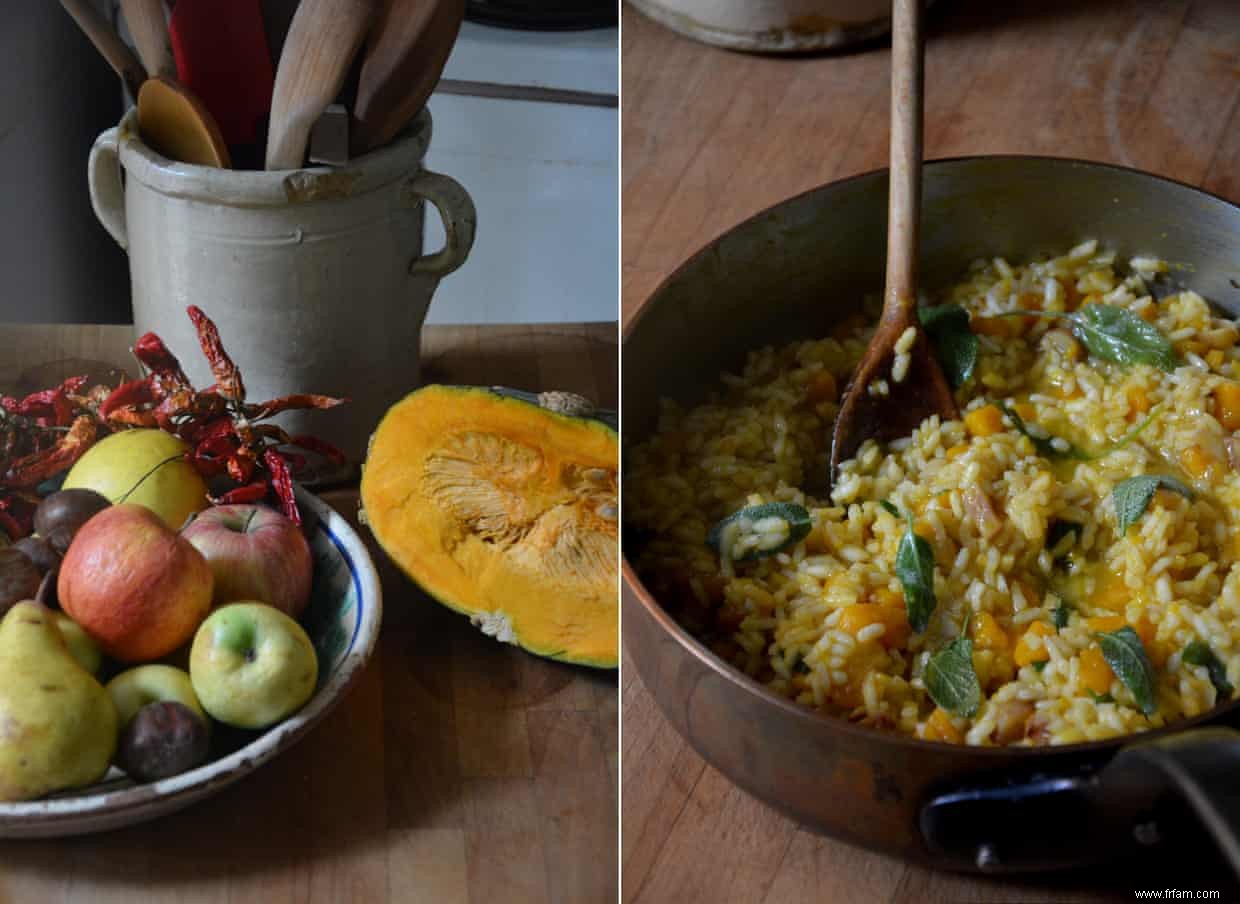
x=43, y=434
x=219, y=424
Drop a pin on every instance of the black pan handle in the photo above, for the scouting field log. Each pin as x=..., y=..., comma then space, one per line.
x=1202, y=767
x=1041, y=820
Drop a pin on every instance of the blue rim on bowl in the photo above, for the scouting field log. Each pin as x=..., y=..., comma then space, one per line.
x=343, y=621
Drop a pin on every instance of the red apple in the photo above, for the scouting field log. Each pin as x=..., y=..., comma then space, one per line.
x=255, y=553
x=135, y=586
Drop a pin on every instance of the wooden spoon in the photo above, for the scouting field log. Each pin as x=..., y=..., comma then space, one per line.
x=149, y=27
x=321, y=42
x=107, y=42
x=404, y=58
x=175, y=123
x=864, y=411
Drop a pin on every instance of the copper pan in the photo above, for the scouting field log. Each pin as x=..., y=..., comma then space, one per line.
x=791, y=272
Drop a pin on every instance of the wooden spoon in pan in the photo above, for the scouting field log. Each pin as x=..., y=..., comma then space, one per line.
x=922, y=390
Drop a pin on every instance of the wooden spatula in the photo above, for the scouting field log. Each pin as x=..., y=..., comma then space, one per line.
x=222, y=56
x=404, y=58
x=321, y=42
x=149, y=27
x=107, y=42
x=866, y=411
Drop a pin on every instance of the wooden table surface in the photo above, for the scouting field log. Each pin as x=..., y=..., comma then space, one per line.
x=457, y=769
x=711, y=137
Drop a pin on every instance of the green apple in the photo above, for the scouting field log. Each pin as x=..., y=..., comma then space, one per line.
x=81, y=647
x=252, y=665
x=133, y=689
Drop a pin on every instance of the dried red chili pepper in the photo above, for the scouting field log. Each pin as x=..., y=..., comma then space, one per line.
x=163, y=364
x=227, y=376
x=282, y=484
x=127, y=395
x=241, y=464
x=35, y=468
x=318, y=446
x=298, y=401
x=253, y=492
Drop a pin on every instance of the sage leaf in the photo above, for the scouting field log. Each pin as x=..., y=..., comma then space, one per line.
x=955, y=346
x=1101, y=698
x=915, y=569
x=1045, y=445
x=1198, y=653
x=1132, y=497
x=1124, y=654
x=951, y=680
x=1116, y=334
x=797, y=517
x=1060, y=617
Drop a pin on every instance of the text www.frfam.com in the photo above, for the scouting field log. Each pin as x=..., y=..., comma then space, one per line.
x=1177, y=894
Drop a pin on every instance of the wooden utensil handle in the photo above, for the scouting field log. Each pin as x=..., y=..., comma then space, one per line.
x=149, y=27
x=107, y=42
x=904, y=195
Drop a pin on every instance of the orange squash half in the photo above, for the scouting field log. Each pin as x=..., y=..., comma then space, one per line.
x=503, y=506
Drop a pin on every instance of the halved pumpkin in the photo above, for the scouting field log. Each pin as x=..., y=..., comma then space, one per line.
x=505, y=510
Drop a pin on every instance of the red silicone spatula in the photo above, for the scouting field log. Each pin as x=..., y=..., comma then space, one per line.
x=222, y=56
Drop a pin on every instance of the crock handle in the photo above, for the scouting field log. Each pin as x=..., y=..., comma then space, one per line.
x=107, y=188
x=460, y=220
x=1201, y=766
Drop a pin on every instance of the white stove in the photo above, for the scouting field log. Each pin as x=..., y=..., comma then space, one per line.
x=527, y=121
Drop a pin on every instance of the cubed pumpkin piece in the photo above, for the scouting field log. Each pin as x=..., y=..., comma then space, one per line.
x=1096, y=674
x=988, y=634
x=939, y=727
x=984, y=421
x=1029, y=651
x=1227, y=405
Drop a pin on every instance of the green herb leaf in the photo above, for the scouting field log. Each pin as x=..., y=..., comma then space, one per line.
x=947, y=326
x=1101, y=698
x=1060, y=529
x=1132, y=497
x=950, y=678
x=1060, y=617
x=1039, y=666
x=1124, y=654
x=891, y=509
x=798, y=518
x=1044, y=445
x=915, y=569
x=1116, y=334
x=1198, y=653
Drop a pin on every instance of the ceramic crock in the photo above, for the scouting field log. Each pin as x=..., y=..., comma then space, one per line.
x=315, y=277
x=773, y=26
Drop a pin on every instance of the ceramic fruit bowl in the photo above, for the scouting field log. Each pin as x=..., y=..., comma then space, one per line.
x=342, y=620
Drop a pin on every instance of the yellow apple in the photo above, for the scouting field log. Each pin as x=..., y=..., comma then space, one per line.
x=145, y=467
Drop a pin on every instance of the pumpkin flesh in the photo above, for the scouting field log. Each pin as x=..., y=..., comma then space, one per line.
x=504, y=511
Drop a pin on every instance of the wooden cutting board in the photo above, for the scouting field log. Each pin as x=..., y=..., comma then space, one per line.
x=457, y=769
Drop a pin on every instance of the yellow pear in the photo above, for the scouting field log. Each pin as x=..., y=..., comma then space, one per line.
x=58, y=726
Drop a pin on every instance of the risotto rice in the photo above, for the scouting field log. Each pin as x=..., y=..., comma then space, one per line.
x=1028, y=558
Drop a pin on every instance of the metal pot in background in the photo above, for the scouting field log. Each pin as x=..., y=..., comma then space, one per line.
x=773, y=26
x=811, y=259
